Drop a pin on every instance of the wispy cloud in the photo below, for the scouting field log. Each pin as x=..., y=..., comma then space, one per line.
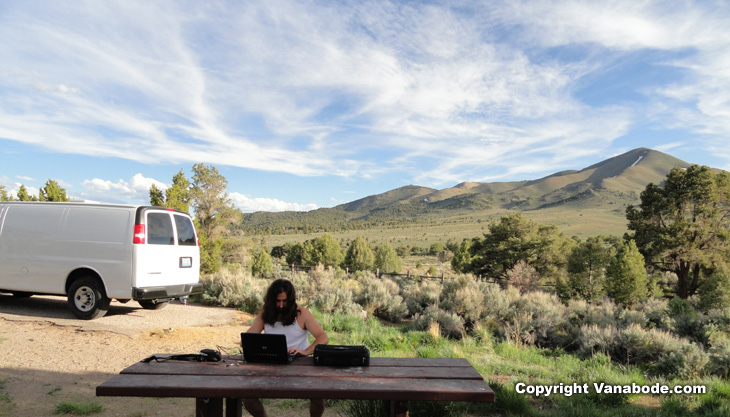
x=319, y=88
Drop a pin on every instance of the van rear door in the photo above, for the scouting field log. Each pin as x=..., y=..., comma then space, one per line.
x=166, y=249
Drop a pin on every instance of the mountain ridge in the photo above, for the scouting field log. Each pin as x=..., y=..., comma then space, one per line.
x=615, y=182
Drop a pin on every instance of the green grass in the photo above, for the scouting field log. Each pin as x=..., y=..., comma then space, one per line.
x=580, y=222
x=79, y=409
x=504, y=365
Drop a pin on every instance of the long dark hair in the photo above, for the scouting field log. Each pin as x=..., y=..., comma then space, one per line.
x=269, y=313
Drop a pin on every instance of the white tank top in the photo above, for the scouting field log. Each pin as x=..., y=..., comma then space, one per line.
x=295, y=335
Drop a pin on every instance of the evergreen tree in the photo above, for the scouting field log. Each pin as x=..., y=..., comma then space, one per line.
x=626, y=281
x=513, y=239
x=715, y=292
x=324, y=250
x=359, y=256
x=683, y=227
x=52, y=192
x=262, y=265
x=295, y=254
x=587, y=268
x=387, y=260
x=157, y=198
x=179, y=194
x=23, y=194
x=462, y=257
x=213, y=213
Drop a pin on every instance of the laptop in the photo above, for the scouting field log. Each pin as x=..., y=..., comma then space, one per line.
x=265, y=348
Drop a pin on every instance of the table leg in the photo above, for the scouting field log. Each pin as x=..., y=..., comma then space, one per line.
x=234, y=407
x=398, y=408
x=209, y=407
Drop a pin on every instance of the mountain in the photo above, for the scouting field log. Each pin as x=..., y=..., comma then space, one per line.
x=615, y=182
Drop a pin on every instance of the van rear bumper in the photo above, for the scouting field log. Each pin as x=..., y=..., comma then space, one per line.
x=170, y=291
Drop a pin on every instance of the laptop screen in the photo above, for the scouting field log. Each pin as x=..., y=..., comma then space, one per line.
x=265, y=348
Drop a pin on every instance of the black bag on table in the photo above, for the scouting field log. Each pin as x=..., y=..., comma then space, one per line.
x=341, y=355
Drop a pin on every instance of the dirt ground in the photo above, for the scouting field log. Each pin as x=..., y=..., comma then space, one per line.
x=47, y=356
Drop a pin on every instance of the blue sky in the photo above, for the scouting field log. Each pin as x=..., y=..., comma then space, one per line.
x=306, y=104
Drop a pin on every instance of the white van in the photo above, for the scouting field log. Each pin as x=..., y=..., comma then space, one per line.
x=94, y=253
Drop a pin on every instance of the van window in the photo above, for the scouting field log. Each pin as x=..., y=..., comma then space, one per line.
x=185, y=231
x=159, y=229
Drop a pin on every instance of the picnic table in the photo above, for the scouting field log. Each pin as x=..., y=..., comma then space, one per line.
x=397, y=380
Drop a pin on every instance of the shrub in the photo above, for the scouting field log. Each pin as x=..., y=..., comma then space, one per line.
x=465, y=297
x=657, y=314
x=336, y=301
x=715, y=291
x=539, y=318
x=450, y=325
x=523, y=277
x=380, y=297
x=719, y=353
x=688, y=361
x=660, y=351
x=233, y=289
x=419, y=295
x=496, y=301
x=627, y=318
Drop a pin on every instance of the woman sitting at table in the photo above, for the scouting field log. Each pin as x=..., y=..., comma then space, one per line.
x=282, y=315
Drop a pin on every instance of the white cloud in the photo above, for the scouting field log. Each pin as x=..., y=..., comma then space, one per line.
x=352, y=90
x=137, y=189
x=248, y=204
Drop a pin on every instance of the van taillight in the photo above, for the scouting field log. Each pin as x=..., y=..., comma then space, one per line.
x=138, y=234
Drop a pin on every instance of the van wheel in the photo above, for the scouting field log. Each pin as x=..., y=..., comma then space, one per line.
x=87, y=300
x=150, y=305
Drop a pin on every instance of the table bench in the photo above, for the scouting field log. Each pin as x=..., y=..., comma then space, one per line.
x=397, y=380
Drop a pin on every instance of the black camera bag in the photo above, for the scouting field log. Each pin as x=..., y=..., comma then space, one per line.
x=341, y=355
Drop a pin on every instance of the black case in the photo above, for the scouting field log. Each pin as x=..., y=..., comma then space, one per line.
x=341, y=355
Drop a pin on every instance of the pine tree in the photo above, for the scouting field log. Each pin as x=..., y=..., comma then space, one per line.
x=626, y=281
x=23, y=194
x=262, y=265
x=587, y=268
x=178, y=196
x=359, y=256
x=387, y=260
x=156, y=196
x=683, y=226
x=214, y=212
x=52, y=192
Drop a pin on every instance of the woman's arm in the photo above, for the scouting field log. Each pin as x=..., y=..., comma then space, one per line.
x=310, y=324
x=257, y=326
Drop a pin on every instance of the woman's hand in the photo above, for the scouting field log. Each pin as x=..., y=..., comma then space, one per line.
x=297, y=351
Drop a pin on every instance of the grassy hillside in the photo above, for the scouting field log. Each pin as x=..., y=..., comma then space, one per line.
x=581, y=203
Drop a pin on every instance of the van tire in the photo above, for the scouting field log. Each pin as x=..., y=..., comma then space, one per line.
x=150, y=305
x=86, y=299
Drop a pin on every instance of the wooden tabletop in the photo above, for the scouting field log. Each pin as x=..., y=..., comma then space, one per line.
x=400, y=379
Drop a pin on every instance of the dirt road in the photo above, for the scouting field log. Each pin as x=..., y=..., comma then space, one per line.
x=47, y=356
